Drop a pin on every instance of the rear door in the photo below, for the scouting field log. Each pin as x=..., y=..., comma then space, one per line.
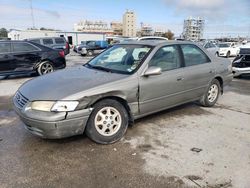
x=6, y=58
x=198, y=71
x=26, y=56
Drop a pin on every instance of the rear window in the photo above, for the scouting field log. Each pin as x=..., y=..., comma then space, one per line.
x=4, y=47
x=59, y=40
x=23, y=47
x=47, y=41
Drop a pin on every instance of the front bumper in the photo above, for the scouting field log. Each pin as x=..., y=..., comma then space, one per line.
x=239, y=71
x=52, y=125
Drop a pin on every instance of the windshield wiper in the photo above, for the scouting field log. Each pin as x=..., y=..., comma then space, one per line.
x=100, y=68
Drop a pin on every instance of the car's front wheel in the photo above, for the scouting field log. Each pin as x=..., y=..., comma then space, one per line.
x=108, y=122
x=212, y=94
x=44, y=68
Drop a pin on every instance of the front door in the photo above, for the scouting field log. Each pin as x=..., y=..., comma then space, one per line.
x=165, y=90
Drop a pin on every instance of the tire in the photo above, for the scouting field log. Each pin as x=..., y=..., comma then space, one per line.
x=110, y=114
x=217, y=54
x=44, y=68
x=212, y=94
x=90, y=53
x=228, y=54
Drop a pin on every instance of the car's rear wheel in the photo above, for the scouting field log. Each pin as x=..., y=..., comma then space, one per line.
x=108, y=122
x=90, y=53
x=228, y=54
x=212, y=94
x=44, y=68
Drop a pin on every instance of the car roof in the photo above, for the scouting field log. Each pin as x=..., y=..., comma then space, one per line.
x=44, y=38
x=155, y=42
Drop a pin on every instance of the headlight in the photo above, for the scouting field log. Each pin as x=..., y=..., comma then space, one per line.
x=64, y=106
x=54, y=106
x=42, y=105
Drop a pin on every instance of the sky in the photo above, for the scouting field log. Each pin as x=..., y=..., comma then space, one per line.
x=222, y=17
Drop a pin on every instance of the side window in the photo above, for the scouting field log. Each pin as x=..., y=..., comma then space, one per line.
x=167, y=58
x=193, y=55
x=207, y=46
x=23, y=47
x=4, y=47
x=47, y=41
x=36, y=41
x=59, y=41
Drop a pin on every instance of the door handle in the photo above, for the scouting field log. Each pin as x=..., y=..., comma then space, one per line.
x=180, y=78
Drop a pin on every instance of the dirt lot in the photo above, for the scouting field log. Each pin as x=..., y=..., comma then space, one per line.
x=188, y=146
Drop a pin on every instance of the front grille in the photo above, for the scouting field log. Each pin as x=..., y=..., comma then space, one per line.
x=20, y=100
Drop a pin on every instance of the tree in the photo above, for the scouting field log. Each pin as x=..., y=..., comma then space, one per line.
x=3, y=32
x=169, y=34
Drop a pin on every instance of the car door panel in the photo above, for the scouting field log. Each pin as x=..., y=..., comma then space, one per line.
x=164, y=90
x=26, y=56
x=161, y=91
x=198, y=71
x=6, y=58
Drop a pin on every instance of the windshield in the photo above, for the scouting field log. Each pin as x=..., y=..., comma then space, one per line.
x=120, y=58
x=223, y=45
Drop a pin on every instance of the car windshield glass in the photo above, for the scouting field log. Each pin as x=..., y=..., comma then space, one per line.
x=120, y=58
x=223, y=45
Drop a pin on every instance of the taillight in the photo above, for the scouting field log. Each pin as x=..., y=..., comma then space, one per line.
x=67, y=45
x=61, y=53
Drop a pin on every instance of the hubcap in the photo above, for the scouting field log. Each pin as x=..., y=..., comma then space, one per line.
x=108, y=121
x=46, y=68
x=213, y=93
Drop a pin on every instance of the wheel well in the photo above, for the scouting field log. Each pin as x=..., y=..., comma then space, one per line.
x=221, y=83
x=120, y=100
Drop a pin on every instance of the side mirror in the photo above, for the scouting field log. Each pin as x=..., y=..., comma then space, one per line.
x=151, y=71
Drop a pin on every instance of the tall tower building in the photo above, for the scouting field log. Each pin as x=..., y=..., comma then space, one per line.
x=129, y=24
x=193, y=29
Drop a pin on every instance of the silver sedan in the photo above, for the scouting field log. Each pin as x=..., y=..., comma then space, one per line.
x=126, y=82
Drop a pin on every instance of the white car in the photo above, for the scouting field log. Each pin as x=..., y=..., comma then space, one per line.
x=228, y=49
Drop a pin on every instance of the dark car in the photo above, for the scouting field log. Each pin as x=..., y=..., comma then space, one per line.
x=23, y=57
x=93, y=47
x=53, y=42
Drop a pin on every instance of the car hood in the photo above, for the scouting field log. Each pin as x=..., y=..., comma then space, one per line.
x=64, y=83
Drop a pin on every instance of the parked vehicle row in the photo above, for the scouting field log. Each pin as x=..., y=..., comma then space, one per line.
x=126, y=82
x=26, y=57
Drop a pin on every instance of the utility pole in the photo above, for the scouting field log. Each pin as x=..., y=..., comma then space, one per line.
x=32, y=14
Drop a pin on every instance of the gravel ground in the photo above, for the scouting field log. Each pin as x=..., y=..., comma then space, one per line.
x=187, y=146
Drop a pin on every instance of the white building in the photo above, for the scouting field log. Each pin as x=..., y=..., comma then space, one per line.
x=93, y=26
x=129, y=24
x=72, y=37
x=193, y=29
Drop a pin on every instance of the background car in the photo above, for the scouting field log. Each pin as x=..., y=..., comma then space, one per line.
x=53, y=42
x=126, y=82
x=94, y=47
x=228, y=49
x=241, y=64
x=211, y=47
x=23, y=57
